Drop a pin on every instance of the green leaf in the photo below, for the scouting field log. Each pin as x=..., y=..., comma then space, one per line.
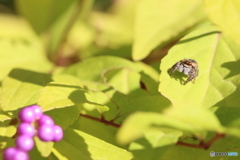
x=149, y=84
x=79, y=145
x=158, y=20
x=36, y=155
x=67, y=79
x=156, y=103
x=148, y=70
x=121, y=74
x=7, y=131
x=135, y=125
x=157, y=137
x=59, y=115
x=119, y=23
x=121, y=105
x=103, y=99
x=3, y=115
x=225, y=14
x=195, y=120
x=97, y=129
x=114, y=26
x=149, y=78
x=229, y=117
x=129, y=79
x=113, y=99
x=22, y=88
x=20, y=47
x=6, y=134
x=177, y=152
x=217, y=83
x=81, y=36
x=112, y=77
x=57, y=95
x=197, y=117
x=43, y=147
x=91, y=69
x=41, y=14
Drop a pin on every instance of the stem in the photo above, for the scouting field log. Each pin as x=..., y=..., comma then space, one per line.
x=188, y=145
x=215, y=138
x=13, y=121
x=102, y=120
x=202, y=144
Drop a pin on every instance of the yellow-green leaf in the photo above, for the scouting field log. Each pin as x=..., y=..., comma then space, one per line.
x=226, y=14
x=159, y=20
x=217, y=83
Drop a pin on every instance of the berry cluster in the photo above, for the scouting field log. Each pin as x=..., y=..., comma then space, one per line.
x=46, y=131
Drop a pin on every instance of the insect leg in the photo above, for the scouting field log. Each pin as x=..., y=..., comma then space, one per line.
x=173, y=68
x=191, y=77
x=195, y=75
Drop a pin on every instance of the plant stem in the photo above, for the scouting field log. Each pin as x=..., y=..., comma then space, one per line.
x=202, y=144
x=102, y=120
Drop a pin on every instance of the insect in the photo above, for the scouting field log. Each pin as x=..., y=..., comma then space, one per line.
x=188, y=67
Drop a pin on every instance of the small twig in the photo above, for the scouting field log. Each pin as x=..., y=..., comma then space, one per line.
x=121, y=115
x=202, y=144
x=215, y=138
x=102, y=120
x=13, y=121
x=188, y=145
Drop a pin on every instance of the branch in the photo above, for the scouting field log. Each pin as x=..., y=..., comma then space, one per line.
x=102, y=120
x=202, y=144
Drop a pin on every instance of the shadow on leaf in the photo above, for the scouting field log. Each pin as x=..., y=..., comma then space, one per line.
x=178, y=76
x=233, y=67
x=146, y=151
x=231, y=100
x=196, y=37
x=33, y=77
x=73, y=146
x=79, y=96
x=227, y=115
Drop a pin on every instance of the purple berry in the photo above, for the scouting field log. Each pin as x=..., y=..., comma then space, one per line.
x=24, y=142
x=9, y=153
x=58, y=133
x=26, y=129
x=26, y=115
x=37, y=111
x=20, y=155
x=46, y=133
x=45, y=120
x=15, y=154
